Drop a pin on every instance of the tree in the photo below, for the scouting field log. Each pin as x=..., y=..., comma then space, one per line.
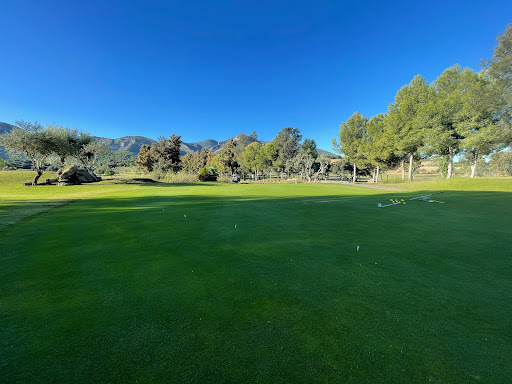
x=478, y=121
x=229, y=156
x=32, y=140
x=442, y=112
x=322, y=163
x=186, y=162
x=215, y=161
x=270, y=153
x=87, y=150
x=351, y=141
x=501, y=163
x=145, y=160
x=65, y=142
x=406, y=122
x=499, y=70
x=166, y=153
x=309, y=148
x=303, y=163
x=254, y=158
x=287, y=143
x=174, y=152
x=341, y=168
x=200, y=159
x=378, y=144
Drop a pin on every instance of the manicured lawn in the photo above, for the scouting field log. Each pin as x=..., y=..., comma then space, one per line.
x=436, y=182
x=18, y=202
x=121, y=287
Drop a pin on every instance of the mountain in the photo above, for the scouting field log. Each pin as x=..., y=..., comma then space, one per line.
x=5, y=128
x=326, y=153
x=126, y=143
x=133, y=143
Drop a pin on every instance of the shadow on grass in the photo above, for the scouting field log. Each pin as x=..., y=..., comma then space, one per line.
x=16, y=210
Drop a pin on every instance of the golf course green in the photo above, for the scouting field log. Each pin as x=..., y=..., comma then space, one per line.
x=258, y=283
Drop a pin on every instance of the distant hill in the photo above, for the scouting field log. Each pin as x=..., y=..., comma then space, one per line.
x=326, y=153
x=133, y=144
x=4, y=128
x=126, y=143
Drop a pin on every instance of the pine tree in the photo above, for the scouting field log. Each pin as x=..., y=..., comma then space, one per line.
x=351, y=141
x=145, y=160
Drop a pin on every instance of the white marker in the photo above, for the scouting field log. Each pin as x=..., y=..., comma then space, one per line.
x=185, y=216
x=235, y=226
x=358, y=247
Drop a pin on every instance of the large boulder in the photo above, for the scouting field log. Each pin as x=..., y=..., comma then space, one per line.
x=75, y=175
x=85, y=176
x=68, y=173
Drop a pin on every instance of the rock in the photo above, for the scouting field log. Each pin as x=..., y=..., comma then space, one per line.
x=51, y=181
x=68, y=173
x=75, y=175
x=84, y=176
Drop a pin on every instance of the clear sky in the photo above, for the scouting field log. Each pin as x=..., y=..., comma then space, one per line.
x=212, y=69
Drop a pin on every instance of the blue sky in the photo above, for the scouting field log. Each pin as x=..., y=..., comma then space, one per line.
x=212, y=69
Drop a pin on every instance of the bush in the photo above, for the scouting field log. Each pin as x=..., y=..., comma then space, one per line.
x=109, y=172
x=179, y=177
x=208, y=174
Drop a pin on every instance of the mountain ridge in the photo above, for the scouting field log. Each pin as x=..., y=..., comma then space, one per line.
x=133, y=143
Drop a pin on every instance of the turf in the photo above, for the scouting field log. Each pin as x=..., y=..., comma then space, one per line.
x=435, y=182
x=18, y=201
x=121, y=287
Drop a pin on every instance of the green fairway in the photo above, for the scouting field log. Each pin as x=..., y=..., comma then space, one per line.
x=170, y=283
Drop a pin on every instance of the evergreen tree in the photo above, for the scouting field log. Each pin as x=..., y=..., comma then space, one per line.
x=200, y=159
x=351, y=141
x=478, y=121
x=499, y=70
x=405, y=121
x=441, y=114
x=287, y=143
x=378, y=145
x=186, y=162
x=309, y=148
x=145, y=160
x=229, y=156
x=166, y=153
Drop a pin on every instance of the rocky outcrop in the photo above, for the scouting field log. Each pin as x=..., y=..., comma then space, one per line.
x=74, y=175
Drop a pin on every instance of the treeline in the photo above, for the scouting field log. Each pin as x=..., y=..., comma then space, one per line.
x=53, y=144
x=104, y=161
x=461, y=113
x=286, y=154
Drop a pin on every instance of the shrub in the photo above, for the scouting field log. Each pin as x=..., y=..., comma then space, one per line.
x=179, y=177
x=109, y=172
x=208, y=174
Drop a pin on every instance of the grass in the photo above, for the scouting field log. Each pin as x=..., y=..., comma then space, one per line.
x=18, y=202
x=457, y=183
x=120, y=287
